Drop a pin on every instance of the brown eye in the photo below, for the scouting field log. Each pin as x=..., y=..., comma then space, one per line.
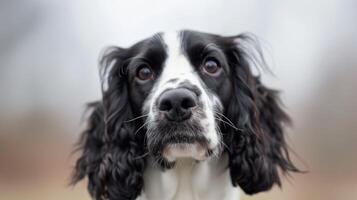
x=211, y=66
x=145, y=73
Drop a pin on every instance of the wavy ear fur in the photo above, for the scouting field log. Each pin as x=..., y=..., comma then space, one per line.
x=258, y=149
x=111, y=152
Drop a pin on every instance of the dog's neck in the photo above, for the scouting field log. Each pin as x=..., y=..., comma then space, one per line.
x=190, y=180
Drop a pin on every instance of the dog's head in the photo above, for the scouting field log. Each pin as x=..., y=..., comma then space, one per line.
x=183, y=95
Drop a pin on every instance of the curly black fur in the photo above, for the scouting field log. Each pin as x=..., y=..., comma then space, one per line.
x=112, y=156
x=257, y=149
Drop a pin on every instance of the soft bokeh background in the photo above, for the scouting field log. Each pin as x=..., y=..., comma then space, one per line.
x=48, y=71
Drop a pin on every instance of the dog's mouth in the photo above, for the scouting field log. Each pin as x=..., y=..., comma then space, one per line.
x=185, y=145
x=179, y=144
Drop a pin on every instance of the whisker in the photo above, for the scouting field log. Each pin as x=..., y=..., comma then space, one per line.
x=235, y=128
x=130, y=120
x=142, y=126
x=226, y=118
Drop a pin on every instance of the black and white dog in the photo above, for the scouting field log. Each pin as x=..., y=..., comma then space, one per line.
x=183, y=118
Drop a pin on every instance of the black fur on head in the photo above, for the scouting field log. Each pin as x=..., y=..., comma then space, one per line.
x=257, y=149
x=112, y=156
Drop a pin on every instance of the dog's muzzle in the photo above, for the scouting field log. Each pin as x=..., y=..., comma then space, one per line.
x=177, y=129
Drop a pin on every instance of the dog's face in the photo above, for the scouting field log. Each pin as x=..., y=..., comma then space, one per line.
x=180, y=95
x=183, y=93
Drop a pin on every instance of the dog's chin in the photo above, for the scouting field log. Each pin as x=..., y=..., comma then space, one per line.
x=170, y=142
x=176, y=151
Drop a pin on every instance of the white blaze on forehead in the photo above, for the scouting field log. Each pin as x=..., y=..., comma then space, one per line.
x=177, y=65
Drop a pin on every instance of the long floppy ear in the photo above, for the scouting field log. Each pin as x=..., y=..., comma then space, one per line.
x=257, y=149
x=111, y=152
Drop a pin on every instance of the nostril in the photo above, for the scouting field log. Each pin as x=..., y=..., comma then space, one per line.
x=188, y=103
x=165, y=105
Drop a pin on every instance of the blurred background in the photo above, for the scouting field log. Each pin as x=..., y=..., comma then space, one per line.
x=48, y=71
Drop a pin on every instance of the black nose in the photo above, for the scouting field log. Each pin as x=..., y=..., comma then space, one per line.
x=177, y=104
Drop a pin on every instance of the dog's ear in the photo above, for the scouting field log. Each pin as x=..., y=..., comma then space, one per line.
x=111, y=152
x=257, y=149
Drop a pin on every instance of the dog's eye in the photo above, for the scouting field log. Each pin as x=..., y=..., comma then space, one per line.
x=145, y=73
x=211, y=66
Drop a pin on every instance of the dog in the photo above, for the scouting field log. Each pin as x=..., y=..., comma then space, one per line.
x=183, y=117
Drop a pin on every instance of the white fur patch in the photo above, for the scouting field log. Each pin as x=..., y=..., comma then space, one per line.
x=206, y=180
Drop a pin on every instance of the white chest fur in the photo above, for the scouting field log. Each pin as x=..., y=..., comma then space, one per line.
x=190, y=180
